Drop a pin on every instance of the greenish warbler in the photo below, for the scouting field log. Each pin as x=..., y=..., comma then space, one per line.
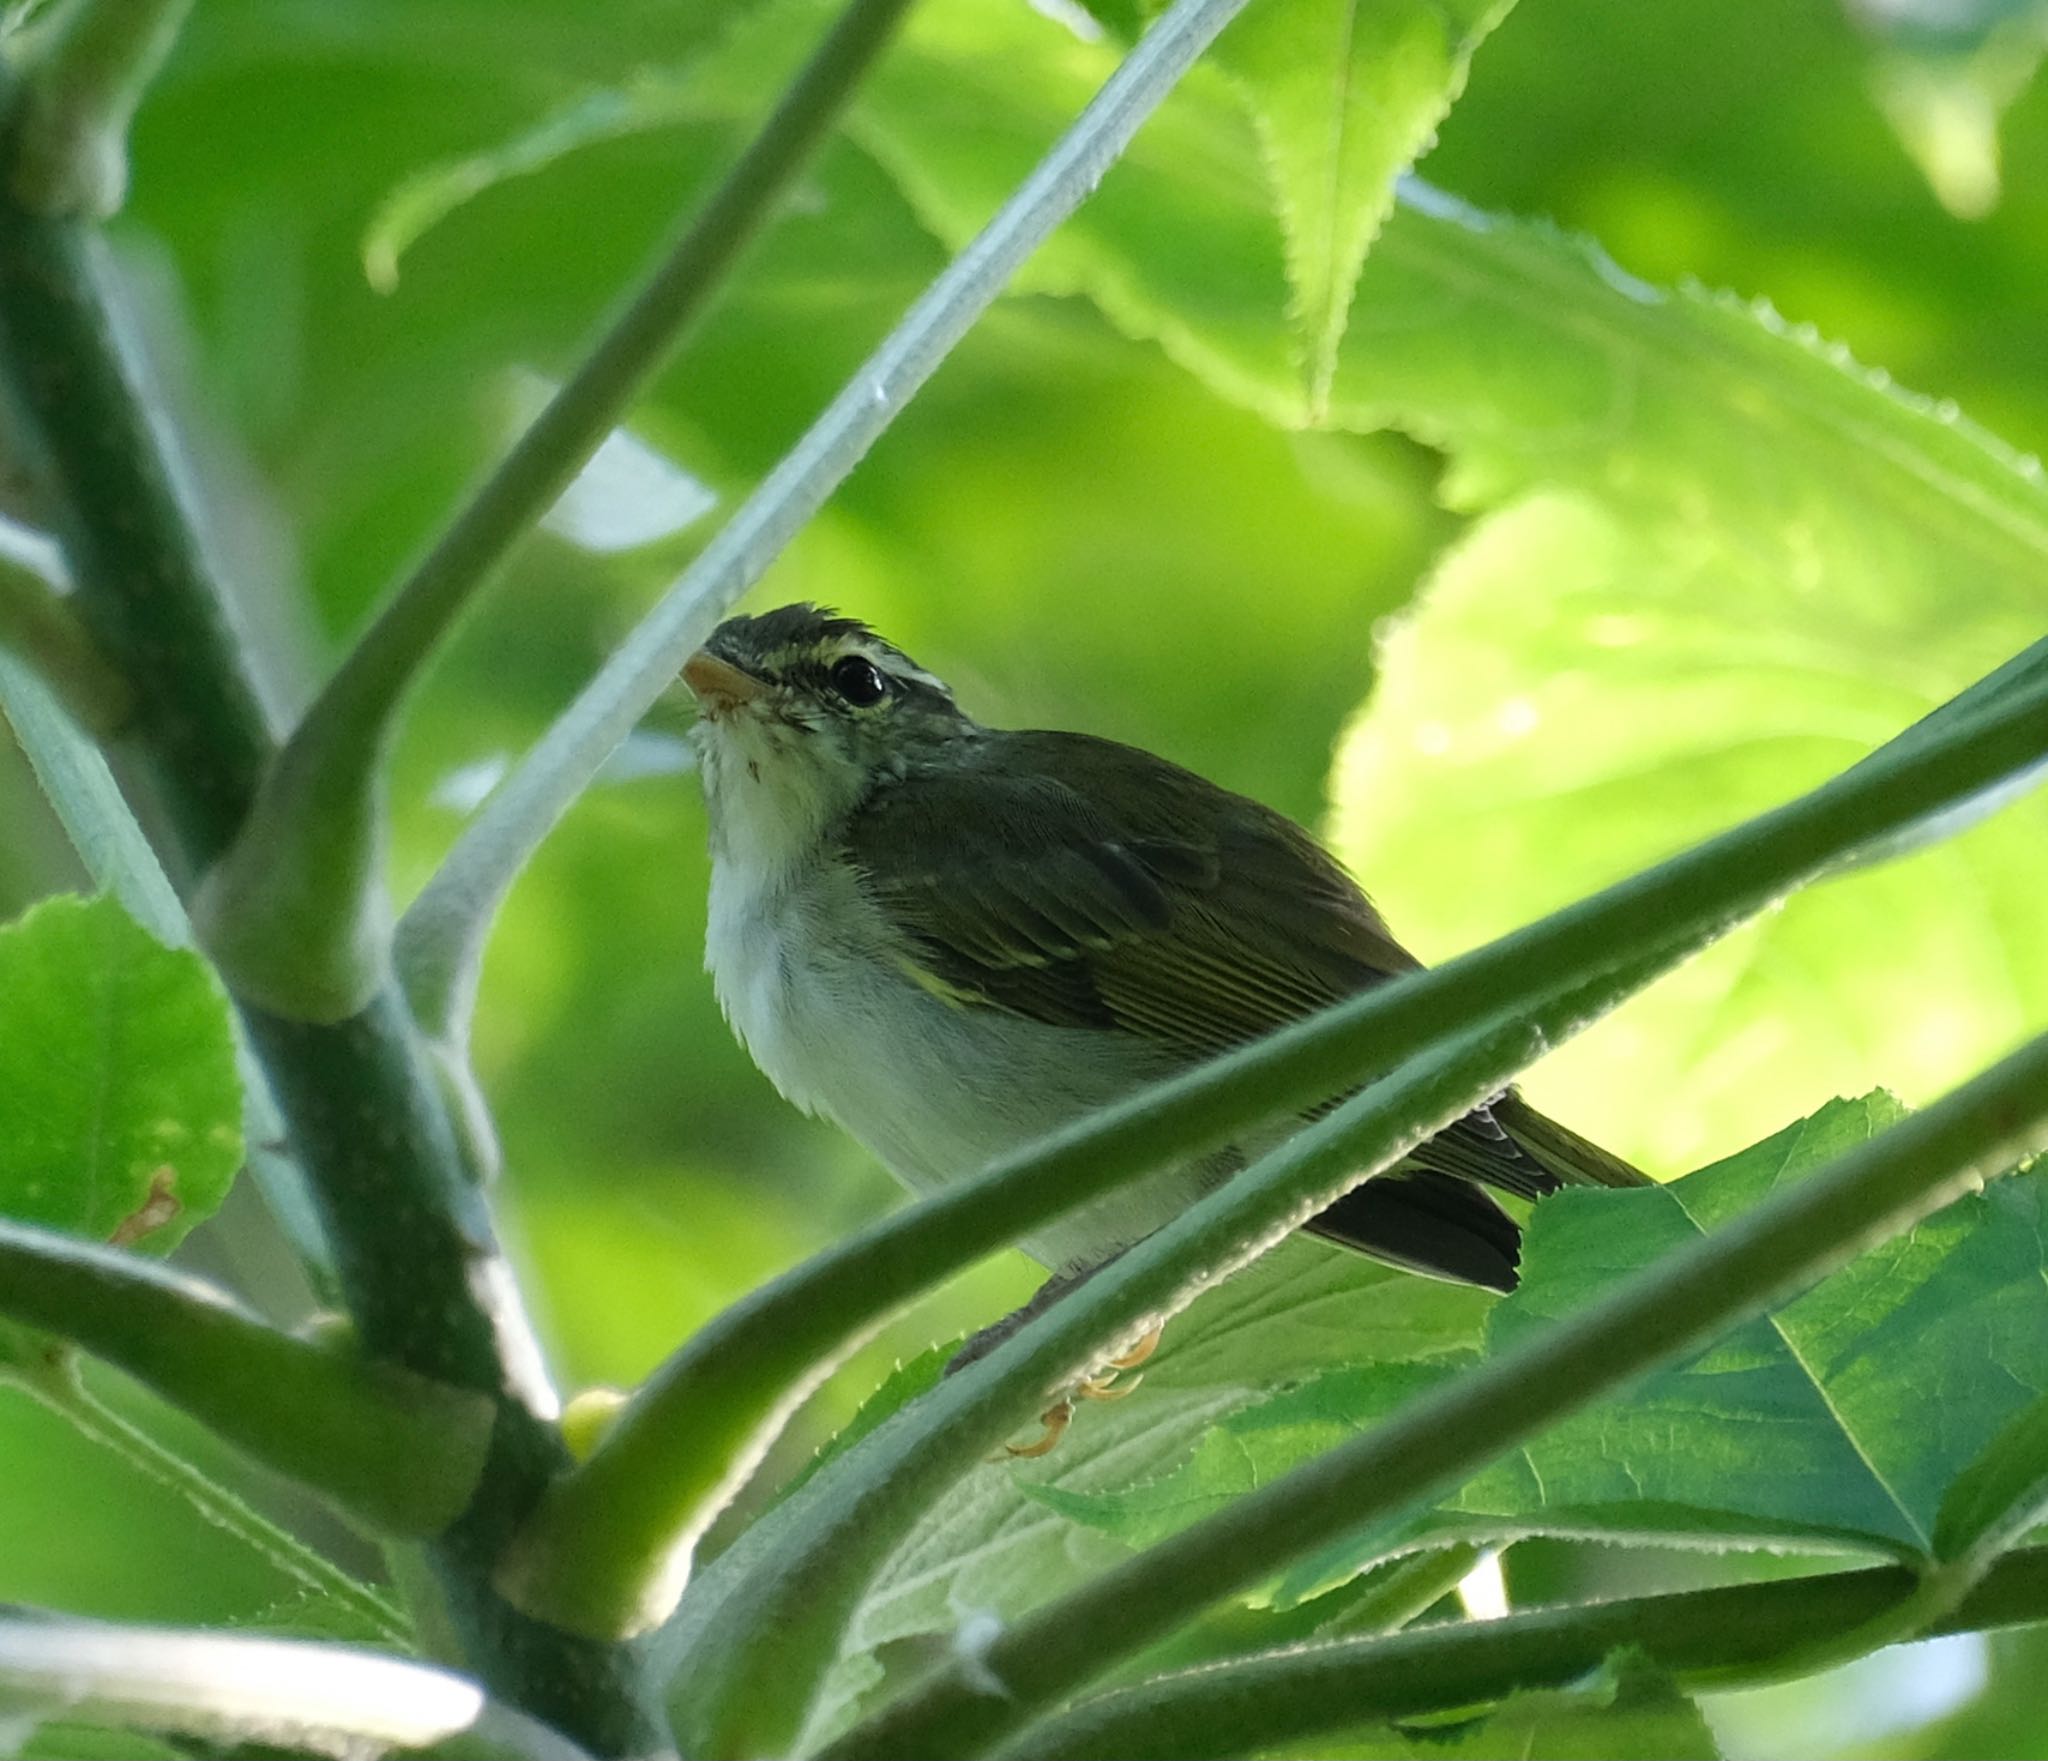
x=950, y=939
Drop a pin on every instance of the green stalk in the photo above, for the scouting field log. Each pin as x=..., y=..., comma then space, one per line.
x=1785, y=1244
x=291, y=910
x=604, y=1550
x=1254, y=1704
x=393, y=1449
x=416, y=1255
x=83, y=71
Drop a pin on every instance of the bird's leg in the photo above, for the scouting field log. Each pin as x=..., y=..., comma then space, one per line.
x=1101, y=1383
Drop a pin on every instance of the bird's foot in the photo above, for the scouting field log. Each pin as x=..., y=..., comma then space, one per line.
x=1104, y=1383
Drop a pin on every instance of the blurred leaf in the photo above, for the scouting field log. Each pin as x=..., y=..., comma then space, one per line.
x=1944, y=74
x=1726, y=567
x=738, y=76
x=122, y=1102
x=1344, y=94
x=429, y=195
x=1622, y=1712
x=59, y=1740
x=1816, y=1424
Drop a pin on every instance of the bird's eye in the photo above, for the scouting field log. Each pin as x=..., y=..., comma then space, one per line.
x=858, y=682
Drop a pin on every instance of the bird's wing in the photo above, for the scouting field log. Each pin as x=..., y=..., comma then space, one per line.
x=1196, y=919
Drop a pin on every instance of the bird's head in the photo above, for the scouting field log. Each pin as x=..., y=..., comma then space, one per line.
x=800, y=714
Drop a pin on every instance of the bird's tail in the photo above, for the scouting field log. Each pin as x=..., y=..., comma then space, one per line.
x=1572, y=1159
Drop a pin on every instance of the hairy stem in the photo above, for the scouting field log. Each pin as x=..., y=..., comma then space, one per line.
x=1785, y=1244
x=755, y=1650
x=1253, y=1704
x=391, y=1448
x=415, y=1251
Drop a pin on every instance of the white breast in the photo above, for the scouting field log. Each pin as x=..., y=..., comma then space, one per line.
x=936, y=1091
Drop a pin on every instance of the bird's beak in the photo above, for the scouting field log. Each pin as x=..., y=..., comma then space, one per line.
x=718, y=685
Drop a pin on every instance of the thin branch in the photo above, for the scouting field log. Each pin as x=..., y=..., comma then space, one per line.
x=291, y=911
x=605, y=1545
x=393, y=1449
x=328, y=1699
x=83, y=71
x=441, y=938
x=1254, y=1704
x=415, y=1251
x=1781, y=1247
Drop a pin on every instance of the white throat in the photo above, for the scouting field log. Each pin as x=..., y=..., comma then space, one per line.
x=773, y=792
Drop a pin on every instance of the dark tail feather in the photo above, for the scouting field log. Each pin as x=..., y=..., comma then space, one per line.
x=1572, y=1159
x=1427, y=1222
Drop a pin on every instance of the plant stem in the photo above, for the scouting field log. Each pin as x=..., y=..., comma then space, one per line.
x=610, y=1532
x=393, y=1449
x=1792, y=1239
x=307, y=862
x=67, y=1396
x=83, y=73
x=441, y=938
x=1254, y=1704
x=416, y=1254
x=273, y=1694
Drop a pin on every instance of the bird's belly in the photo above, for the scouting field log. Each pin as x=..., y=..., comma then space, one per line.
x=934, y=1089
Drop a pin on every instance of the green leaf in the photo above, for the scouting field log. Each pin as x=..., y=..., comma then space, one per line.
x=1812, y=1425
x=1344, y=93
x=123, y=1106
x=989, y=1545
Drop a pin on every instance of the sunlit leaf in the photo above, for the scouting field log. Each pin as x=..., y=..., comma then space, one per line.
x=1344, y=93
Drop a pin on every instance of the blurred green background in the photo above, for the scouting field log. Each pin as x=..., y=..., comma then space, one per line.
x=1073, y=530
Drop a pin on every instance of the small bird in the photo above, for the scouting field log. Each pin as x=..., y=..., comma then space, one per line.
x=950, y=939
